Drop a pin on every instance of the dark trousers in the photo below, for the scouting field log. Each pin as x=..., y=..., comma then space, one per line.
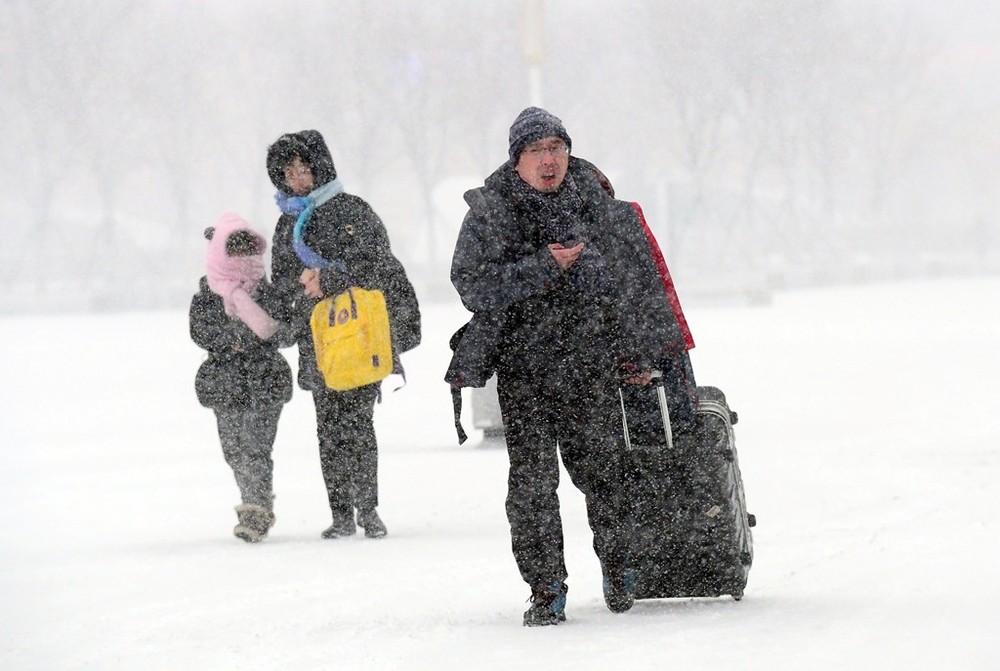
x=579, y=417
x=247, y=438
x=348, y=451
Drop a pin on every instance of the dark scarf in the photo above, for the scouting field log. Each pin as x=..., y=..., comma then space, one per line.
x=557, y=216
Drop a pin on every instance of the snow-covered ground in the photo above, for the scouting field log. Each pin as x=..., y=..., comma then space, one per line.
x=869, y=441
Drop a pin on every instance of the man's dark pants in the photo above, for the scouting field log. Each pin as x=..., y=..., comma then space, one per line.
x=579, y=411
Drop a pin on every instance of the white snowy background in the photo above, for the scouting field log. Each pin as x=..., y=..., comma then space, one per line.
x=868, y=439
x=868, y=435
x=786, y=142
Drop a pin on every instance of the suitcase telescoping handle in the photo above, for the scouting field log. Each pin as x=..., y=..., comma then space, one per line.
x=661, y=395
x=661, y=398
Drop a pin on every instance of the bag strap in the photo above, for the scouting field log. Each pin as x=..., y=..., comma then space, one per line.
x=456, y=404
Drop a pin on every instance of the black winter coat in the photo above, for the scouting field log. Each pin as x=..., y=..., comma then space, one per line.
x=344, y=229
x=241, y=371
x=607, y=309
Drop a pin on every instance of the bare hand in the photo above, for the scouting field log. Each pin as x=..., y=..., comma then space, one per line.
x=641, y=379
x=634, y=376
x=309, y=279
x=565, y=256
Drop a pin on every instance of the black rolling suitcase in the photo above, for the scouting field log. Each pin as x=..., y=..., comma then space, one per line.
x=692, y=530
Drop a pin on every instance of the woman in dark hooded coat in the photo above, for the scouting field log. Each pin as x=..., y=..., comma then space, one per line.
x=345, y=231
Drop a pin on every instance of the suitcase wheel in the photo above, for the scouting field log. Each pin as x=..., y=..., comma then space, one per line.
x=733, y=417
x=751, y=520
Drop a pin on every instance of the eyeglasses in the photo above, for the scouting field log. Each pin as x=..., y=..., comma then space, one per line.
x=556, y=150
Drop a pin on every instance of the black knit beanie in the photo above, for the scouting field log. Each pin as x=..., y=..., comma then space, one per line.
x=532, y=125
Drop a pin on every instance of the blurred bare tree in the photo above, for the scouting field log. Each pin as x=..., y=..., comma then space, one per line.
x=779, y=141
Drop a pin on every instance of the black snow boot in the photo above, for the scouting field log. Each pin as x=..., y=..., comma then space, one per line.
x=619, y=588
x=548, y=605
x=371, y=523
x=343, y=525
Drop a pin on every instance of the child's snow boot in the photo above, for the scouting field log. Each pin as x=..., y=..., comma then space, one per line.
x=254, y=522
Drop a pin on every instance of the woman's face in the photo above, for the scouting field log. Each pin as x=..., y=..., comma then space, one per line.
x=299, y=177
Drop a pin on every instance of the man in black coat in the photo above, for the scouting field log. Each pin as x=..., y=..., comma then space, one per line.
x=580, y=307
x=346, y=234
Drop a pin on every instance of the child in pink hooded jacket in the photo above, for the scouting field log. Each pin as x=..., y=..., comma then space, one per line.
x=237, y=318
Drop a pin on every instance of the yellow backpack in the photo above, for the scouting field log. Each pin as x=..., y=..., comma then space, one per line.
x=351, y=335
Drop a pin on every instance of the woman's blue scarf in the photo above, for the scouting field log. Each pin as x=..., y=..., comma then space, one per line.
x=296, y=204
x=304, y=206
